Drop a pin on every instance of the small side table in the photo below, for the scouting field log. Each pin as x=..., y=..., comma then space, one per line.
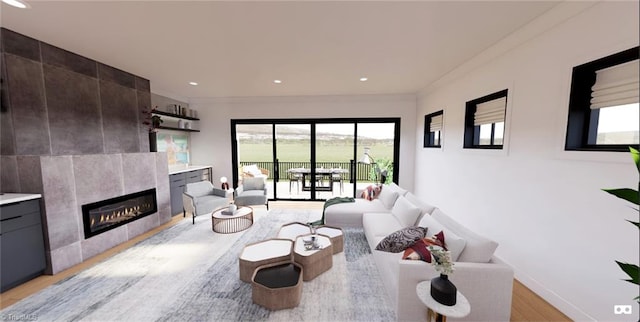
x=439, y=312
x=227, y=224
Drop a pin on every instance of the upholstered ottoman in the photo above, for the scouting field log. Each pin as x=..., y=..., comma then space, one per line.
x=277, y=286
x=262, y=253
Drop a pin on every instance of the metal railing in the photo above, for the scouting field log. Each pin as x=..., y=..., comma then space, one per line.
x=362, y=170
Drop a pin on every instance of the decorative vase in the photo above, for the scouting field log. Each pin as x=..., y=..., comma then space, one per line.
x=153, y=142
x=233, y=208
x=443, y=291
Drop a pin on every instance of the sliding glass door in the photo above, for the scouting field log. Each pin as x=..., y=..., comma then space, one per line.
x=316, y=159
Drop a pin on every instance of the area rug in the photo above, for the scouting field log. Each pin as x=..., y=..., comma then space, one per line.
x=189, y=273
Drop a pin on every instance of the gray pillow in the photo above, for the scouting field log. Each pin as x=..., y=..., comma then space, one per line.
x=402, y=239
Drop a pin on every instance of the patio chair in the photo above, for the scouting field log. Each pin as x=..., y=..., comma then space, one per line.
x=252, y=171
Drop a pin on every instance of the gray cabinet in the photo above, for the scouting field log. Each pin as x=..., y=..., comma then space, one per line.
x=176, y=186
x=177, y=183
x=21, y=243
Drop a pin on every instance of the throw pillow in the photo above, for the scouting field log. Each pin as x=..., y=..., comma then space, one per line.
x=454, y=244
x=405, y=212
x=388, y=197
x=371, y=192
x=401, y=239
x=420, y=249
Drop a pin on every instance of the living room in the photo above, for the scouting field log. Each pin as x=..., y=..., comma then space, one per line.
x=542, y=203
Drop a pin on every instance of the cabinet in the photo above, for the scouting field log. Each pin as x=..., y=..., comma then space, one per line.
x=171, y=121
x=178, y=181
x=22, y=254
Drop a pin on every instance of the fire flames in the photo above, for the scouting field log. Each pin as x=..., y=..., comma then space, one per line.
x=118, y=215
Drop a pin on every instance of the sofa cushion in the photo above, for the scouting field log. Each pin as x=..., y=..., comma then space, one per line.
x=405, y=212
x=478, y=249
x=399, y=240
x=388, y=197
x=349, y=214
x=396, y=188
x=420, y=249
x=425, y=207
x=454, y=243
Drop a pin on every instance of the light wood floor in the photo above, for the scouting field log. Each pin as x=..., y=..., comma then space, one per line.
x=526, y=305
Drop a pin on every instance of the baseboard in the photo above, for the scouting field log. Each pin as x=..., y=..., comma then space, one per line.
x=554, y=299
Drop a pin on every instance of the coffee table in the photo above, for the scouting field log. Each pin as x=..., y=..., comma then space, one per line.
x=335, y=234
x=293, y=230
x=263, y=253
x=316, y=261
x=277, y=286
x=227, y=224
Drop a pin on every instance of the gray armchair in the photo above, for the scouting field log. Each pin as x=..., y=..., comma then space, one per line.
x=252, y=191
x=203, y=198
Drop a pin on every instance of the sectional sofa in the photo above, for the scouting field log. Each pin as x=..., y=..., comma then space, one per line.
x=484, y=280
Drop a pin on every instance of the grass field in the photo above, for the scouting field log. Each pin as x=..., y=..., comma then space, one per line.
x=326, y=151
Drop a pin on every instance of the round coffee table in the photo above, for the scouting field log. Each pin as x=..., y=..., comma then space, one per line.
x=227, y=224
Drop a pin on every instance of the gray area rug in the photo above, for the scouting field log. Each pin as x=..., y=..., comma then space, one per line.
x=189, y=273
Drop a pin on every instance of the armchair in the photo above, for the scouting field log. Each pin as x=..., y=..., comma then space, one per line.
x=201, y=198
x=252, y=191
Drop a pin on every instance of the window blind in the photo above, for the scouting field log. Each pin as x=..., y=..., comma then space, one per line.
x=616, y=85
x=490, y=112
x=436, y=123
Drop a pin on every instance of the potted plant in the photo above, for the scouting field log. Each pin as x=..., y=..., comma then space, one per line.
x=632, y=196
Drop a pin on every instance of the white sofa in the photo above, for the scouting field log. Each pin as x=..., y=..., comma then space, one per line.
x=483, y=279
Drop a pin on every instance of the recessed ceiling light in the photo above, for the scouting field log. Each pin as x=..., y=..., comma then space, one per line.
x=17, y=3
x=193, y=83
x=363, y=79
x=277, y=81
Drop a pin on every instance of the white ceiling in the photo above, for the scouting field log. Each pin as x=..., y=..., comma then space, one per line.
x=238, y=48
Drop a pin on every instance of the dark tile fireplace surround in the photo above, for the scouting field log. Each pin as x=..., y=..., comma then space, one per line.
x=71, y=130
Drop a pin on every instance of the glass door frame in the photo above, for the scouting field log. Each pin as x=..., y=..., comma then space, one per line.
x=312, y=122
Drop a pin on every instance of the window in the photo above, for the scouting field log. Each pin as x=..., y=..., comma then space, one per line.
x=603, y=104
x=484, y=121
x=433, y=130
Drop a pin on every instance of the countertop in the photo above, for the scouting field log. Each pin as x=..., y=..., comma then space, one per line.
x=182, y=168
x=7, y=198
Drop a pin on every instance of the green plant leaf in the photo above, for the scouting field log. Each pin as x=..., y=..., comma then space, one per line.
x=632, y=271
x=636, y=157
x=627, y=194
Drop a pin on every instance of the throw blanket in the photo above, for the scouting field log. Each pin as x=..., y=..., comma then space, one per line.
x=332, y=201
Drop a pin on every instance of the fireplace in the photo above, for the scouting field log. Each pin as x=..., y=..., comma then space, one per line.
x=105, y=215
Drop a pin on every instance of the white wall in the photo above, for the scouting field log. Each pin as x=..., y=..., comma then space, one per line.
x=212, y=146
x=544, y=205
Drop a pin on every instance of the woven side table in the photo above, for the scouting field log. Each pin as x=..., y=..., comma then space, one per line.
x=263, y=253
x=314, y=262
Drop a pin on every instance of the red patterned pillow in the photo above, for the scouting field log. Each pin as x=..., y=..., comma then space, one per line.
x=371, y=192
x=420, y=250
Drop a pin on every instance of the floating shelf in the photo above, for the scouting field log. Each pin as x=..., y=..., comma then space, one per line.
x=175, y=115
x=176, y=129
